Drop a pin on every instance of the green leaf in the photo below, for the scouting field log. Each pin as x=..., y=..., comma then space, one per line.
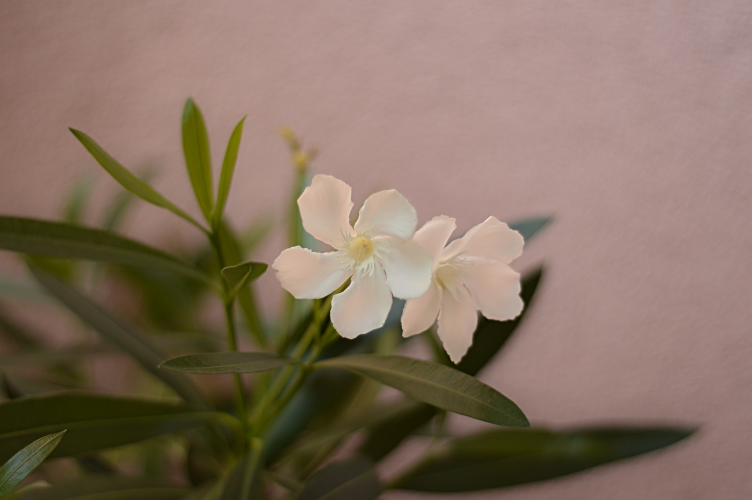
x=68, y=241
x=120, y=334
x=197, y=156
x=36, y=485
x=491, y=336
x=128, y=180
x=30, y=357
x=529, y=228
x=121, y=203
x=246, y=480
x=434, y=384
x=93, y=421
x=228, y=168
x=382, y=439
x=227, y=362
x=25, y=461
x=354, y=478
x=498, y=458
x=108, y=488
x=237, y=276
x=75, y=204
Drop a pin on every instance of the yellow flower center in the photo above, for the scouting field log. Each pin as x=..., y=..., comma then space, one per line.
x=360, y=249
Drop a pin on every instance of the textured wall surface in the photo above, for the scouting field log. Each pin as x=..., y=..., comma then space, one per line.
x=631, y=121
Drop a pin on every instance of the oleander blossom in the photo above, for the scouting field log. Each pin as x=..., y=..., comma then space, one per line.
x=469, y=274
x=378, y=253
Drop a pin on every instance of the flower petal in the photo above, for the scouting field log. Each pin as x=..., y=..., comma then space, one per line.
x=310, y=275
x=495, y=287
x=407, y=264
x=490, y=239
x=434, y=235
x=364, y=305
x=457, y=322
x=325, y=209
x=387, y=213
x=419, y=314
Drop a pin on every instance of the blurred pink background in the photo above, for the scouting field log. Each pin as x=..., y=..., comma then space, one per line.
x=631, y=121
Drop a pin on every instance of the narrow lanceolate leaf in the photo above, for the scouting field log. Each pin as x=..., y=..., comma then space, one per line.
x=239, y=275
x=197, y=156
x=246, y=480
x=69, y=241
x=128, y=180
x=228, y=168
x=491, y=336
x=354, y=478
x=434, y=384
x=529, y=228
x=227, y=362
x=93, y=421
x=25, y=461
x=117, y=332
x=498, y=459
x=108, y=487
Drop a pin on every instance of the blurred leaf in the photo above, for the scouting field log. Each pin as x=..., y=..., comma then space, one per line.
x=354, y=478
x=123, y=336
x=529, y=228
x=108, y=488
x=130, y=181
x=228, y=168
x=197, y=156
x=10, y=389
x=227, y=362
x=75, y=204
x=246, y=480
x=434, y=384
x=256, y=234
x=491, y=336
x=120, y=204
x=287, y=483
x=382, y=439
x=11, y=288
x=68, y=241
x=93, y=421
x=15, y=332
x=36, y=485
x=237, y=276
x=25, y=461
x=31, y=357
x=499, y=458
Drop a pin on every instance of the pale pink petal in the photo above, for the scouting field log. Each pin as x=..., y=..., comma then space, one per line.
x=495, y=287
x=490, y=239
x=325, y=209
x=434, y=235
x=419, y=314
x=407, y=264
x=363, y=306
x=310, y=275
x=457, y=322
x=387, y=213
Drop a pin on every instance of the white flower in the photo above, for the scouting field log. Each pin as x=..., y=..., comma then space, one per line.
x=470, y=274
x=378, y=253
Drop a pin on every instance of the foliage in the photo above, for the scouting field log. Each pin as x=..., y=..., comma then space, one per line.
x=309, y=391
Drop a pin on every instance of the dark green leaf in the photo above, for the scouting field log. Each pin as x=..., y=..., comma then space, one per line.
x=504, y=458
x=227, y=362
x=434, y=384
x=25, y=461
x=120, y=334
x=491, y=336
x=382, y=439
x=228, y=168
x=31, y=357
x=68, y=241
x=530, y=227
x=198, y=157
x=128, y=180
x=108, y=488
x=246, y=480
x=237, y=276
x=93, y=421
x=354, y=478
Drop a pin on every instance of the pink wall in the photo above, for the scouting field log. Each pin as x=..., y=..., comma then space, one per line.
x=632, y=121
